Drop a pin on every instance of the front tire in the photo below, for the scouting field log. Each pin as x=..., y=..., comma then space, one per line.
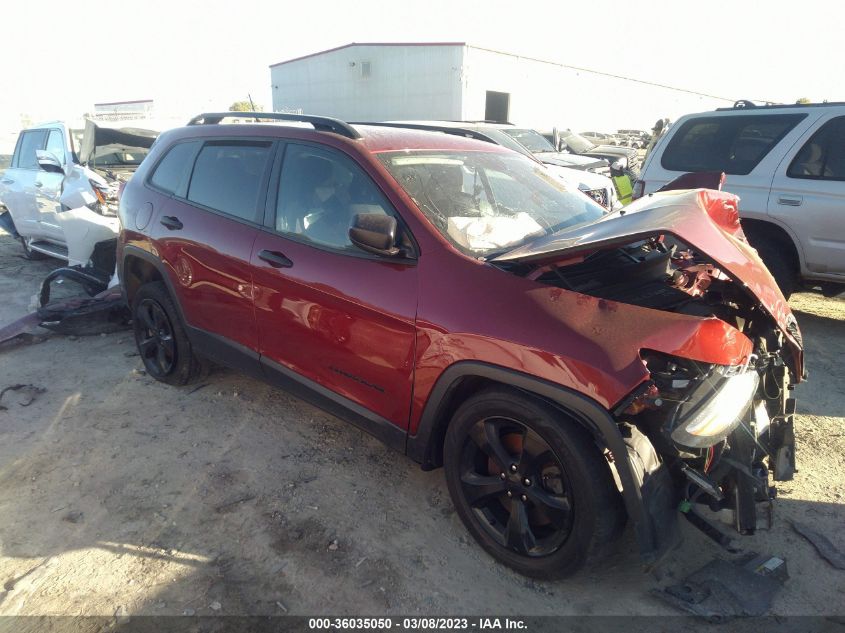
x=161, y=339
x=530, y=485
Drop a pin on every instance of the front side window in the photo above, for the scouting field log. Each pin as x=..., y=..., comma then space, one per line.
x=732, y=144
x=30, y=141
x=485, y=202
x=823, y=156
x=56, y=145
x=320, y=192
x=227, y=177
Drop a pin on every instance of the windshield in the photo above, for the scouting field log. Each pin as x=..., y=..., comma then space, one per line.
x=576, y=142
x=534, y=141
x=485, y=202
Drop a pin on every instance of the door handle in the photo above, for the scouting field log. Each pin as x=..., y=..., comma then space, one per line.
x=275, y=259
x=171, y=222
x=790, y=201
x=39, y=184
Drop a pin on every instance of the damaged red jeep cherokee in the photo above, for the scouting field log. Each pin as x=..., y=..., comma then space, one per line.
x=569, y=369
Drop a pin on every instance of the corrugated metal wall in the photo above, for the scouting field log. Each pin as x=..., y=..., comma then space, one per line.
x=373, y=83
x=446, y=82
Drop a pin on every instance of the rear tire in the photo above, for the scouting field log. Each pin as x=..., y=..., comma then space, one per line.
x=28, y=253
x=552, y=507
x=776, y=255
x=161, y=339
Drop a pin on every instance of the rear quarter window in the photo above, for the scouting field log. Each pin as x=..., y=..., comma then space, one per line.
x=172, y=172
x=732, y=144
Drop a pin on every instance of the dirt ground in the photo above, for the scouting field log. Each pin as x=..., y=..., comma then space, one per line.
x=120, y=495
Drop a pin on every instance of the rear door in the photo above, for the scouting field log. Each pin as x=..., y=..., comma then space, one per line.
x=204, y=229
x=20, y=195
x=339, y=318
x=738, y=144
x=808, y=196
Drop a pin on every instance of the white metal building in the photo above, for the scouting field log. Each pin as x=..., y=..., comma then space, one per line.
x=458, y=81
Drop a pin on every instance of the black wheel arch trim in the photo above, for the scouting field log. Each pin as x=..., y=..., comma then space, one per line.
x=584, y=410
x=155, y=262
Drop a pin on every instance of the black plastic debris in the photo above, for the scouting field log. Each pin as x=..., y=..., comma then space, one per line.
x=104, y=313
x=723, y=590
x=824, y=547
x=26, y=394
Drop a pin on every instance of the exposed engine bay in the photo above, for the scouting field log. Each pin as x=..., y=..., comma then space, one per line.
x=721, y=432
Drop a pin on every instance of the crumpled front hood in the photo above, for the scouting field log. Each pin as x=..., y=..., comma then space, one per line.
x=705, y=219
x=114, y=136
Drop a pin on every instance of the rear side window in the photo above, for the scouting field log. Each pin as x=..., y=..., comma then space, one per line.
x=29, y=142
x=823, y=156
x=173, y=170
x=732, y=144
x=228, y=175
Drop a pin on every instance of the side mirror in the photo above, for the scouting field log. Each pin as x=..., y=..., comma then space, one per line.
x=375, y=233
x=48, y=162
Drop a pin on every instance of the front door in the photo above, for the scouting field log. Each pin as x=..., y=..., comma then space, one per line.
x=808, y=193
x=342, y=319
x=49, y=188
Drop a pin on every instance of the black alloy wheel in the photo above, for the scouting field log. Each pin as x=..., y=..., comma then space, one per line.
x=516, y=486
x=155, y=344
x=530, y=484
x=162, y=342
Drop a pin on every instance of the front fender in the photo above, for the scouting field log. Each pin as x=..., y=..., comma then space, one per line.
x=423, y=446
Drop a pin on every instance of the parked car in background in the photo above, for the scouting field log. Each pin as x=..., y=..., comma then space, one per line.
x=787, y=164
x=568, y=368
x=592, y=182
x=61, y=188
x=599, y=138
x=569, y=141
x=637, y=139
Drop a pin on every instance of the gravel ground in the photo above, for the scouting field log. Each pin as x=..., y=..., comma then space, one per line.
x=120, y=495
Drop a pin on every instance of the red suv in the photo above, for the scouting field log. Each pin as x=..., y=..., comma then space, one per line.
x=569, y=369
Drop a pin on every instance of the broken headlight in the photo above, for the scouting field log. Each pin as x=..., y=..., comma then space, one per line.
x=726, y=396
x=104, y=199
x=696, y=404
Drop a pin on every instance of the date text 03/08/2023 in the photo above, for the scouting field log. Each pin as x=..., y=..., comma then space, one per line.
x=417, y=623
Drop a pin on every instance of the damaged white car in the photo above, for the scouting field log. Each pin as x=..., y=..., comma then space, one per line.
x=61, y=189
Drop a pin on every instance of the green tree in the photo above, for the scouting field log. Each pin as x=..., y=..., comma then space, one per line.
x=244, y=106
x=803, y=100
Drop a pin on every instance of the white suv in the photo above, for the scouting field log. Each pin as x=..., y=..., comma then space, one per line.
x=61, y=187
x=787, y=164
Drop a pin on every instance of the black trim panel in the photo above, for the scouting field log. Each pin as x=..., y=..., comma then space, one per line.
x=339, y=406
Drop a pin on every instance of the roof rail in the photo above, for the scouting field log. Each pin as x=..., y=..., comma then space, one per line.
x=745, y=104
x=480, y=121
x=466, y=133
x=320, y=123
